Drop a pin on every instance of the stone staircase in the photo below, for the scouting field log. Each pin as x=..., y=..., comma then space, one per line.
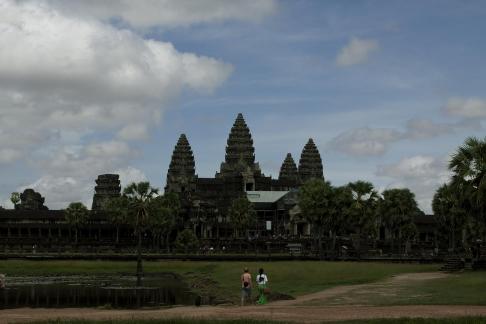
x=453, y=264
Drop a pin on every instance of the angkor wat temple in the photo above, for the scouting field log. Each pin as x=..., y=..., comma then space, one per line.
x=205, y=203
x=208, y=199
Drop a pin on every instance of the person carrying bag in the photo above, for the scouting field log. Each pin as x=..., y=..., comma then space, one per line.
x=262, y=281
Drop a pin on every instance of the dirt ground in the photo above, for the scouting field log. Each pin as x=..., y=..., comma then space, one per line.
x=287, y=310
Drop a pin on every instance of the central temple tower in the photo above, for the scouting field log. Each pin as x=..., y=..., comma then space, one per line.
x=240, y=157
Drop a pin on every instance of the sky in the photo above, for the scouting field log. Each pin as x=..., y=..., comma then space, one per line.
x=387, y=89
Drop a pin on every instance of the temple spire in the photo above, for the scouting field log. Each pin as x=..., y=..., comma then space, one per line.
x=288, y=170
x=310, y=163
x=182, y=168
x=240, y=144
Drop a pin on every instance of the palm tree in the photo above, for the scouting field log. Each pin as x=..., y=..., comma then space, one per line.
x=341, y=202
x=468, y=165
x=315, y=199
x=140, y=202
x=241, y=214
x=449, y=212
x=363, y=209
x=76, y=214
x=164, y=217
x=116, y=210
x=397, y=210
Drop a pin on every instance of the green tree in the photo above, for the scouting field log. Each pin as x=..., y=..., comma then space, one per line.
x=140, y=198
x=468, y=165
x=340, y=205
x=15, y=199
x=187, y=240
x=397, y=209
x=449, y=212
x=241, y=214
x=76, y=215
x=363, y=210
x=116, y=209
x=315, y=202
x=165, y=217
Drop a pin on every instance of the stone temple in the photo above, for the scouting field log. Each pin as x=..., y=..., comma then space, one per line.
x=205, y=203
x=207, y=200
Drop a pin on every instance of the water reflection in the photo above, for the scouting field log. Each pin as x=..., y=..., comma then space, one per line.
x=94, y=293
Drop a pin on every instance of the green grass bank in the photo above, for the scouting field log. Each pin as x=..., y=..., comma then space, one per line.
x=222, y=278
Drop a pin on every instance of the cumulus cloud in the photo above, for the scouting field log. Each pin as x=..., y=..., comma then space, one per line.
x=422, y=174
x=68, y=79
x=356, y=51
x=466, y=107
x=129, y=175
x=418, y=128
x=146, y=13
x=365, y=141
x=69, y=174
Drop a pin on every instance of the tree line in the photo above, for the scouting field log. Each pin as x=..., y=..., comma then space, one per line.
x=459, y=205
x=357, y=209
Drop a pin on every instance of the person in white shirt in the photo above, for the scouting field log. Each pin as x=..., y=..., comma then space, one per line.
x=262, y=281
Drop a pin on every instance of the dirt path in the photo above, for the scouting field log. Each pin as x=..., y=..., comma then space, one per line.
x=394, y=281
x=282, y=310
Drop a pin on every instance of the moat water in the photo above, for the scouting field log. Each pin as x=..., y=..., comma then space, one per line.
x=110, y=292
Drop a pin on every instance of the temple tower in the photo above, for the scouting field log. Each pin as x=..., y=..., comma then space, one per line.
x=181, y=176
x=107, y=187
x=240, y=156
x=310, y=163
x=31, y=200
x=240, y=144
x=288, y=170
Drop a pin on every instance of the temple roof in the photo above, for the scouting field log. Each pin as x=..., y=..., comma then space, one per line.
x=310, y=163
x=288, y=170
x=239, y=147
x=265, y=196
x=182, y=162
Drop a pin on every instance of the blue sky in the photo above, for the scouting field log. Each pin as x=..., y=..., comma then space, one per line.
x=387, y=89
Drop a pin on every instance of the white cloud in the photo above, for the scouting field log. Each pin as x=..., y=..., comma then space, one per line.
x=59, y=192
x=169, y=13
x=422, y=174
x=8, y=155
x=365, y=141
x=133, y=132
x=68, y=79
x=423, y=128
x=79, y=74
x=129, y=175
x=368, y=141
x=70, y=173
x=356, y=51
x=466, y=107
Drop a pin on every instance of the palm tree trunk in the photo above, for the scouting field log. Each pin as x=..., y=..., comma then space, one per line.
x=139, y=259
x=117, y=234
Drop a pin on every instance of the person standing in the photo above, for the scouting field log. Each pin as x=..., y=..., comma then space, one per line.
x=262, y=281
x=245, y=286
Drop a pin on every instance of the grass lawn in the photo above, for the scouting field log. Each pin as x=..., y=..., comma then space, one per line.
x=288, y=277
